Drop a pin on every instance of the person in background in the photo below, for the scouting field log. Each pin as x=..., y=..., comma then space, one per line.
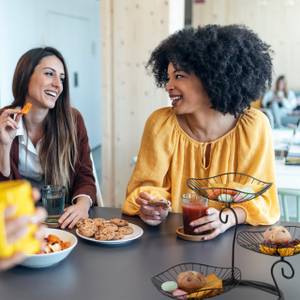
x=15, y=228
x=49, y=144
x=211, y=75
x=281, y=101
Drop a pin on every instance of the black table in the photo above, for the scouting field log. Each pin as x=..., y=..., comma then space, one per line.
x=95, y=272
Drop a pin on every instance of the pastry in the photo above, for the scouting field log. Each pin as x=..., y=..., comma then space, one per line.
x=87, y=228
x=277, y=235
x=278, y=241
x=119, y=222
x=99, y=221
x=110, y=226
x=169, y=286
x=126, y=230
x=105, y=234
x=190, y=281
x=104, y=230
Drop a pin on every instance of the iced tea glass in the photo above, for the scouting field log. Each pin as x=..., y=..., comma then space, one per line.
x=194, y=206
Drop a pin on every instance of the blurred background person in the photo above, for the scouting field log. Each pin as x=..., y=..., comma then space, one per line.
x=281, y=101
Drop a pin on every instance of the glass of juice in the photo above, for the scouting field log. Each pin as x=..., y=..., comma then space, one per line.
x=53, y=199
x=193, y=207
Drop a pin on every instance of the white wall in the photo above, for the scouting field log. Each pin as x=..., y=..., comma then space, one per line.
x=275, y=21
x=34, y=23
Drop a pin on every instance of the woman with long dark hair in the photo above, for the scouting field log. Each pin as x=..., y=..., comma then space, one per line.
x=48, y=145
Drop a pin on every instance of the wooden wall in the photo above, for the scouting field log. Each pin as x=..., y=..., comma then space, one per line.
x=275, y=21
x=131, y=29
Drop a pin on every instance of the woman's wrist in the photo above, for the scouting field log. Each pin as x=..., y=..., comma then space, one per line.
x=240, y=216
x=84, y=201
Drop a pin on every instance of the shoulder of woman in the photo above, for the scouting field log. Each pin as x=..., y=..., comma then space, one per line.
x=77, y=115
x=163, y=117
x=254, y=119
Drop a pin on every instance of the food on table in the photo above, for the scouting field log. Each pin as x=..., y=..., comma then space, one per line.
x=179, y=294
x=54, y=244
x=193, y=285
x=278, y=241
x=17, y=193
x=159, y=202
x=87, y=227
x=169, y=286
x=98, y=222
x=26, y=108
x=119, y=222
x=104, y=230
x=225, y=198
x=212, y=288
x=277, y=235
x=190, y=281
x=231, y=192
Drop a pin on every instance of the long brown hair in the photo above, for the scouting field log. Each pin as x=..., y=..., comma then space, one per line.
x=285, y=91
x=58, y=151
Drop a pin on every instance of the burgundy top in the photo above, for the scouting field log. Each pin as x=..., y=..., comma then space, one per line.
x=82, y=180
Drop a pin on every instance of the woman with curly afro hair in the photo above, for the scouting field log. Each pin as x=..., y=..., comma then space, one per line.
x=211, y=75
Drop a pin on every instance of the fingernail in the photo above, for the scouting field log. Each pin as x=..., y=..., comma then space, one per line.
x=192, y=224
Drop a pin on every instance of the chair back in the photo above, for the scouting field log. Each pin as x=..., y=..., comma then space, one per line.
x=98, y=190
x=288, y=198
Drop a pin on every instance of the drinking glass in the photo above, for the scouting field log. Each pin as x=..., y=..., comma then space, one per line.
x=53, y=199
x=194, y=206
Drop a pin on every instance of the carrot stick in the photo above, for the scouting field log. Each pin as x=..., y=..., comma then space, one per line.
x=26, y=108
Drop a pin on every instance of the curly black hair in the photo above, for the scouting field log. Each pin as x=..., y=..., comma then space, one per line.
x=232, y=62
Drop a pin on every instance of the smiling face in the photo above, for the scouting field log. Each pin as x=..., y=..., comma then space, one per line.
x=46, y=82
x=186, y=92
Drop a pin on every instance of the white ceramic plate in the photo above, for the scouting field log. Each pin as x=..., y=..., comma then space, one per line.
x=47, y=260
x=137, y=232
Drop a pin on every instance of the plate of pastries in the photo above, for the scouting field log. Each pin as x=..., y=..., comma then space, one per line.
x=112, y=231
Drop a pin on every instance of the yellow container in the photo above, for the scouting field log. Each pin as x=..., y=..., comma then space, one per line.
x=17, y=193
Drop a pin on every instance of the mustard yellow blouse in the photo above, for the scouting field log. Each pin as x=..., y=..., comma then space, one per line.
x=168, y=157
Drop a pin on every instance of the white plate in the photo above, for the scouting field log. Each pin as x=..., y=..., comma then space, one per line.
x=137, y=232
x=47, y=260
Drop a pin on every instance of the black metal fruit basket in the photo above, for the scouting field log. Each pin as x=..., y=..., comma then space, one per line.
x=230, y=278
x=230, y=187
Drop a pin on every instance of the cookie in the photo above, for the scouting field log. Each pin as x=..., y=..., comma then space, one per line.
x=79, y=223
x=99, y=221
x=126, y=230
x=87, y=227
x=118, y=235
x=119, y=222
x=104, y=234
x=110, y=226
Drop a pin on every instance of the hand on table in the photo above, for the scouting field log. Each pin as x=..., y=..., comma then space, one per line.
x=75, y=212
x=151, y=214
x=16, y=228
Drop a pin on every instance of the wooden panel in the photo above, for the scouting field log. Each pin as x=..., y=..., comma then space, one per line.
x=275, y=21
x=132, y=29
